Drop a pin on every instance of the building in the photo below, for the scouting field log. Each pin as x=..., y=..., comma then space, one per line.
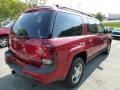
x=114, y=17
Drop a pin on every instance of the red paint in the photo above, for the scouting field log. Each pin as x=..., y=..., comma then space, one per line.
x=60, y=50
x=4, y=31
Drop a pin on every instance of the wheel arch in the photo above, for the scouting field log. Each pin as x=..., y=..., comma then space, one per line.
x=82, y=55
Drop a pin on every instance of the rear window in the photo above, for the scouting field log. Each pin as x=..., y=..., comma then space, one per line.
x=33, y=24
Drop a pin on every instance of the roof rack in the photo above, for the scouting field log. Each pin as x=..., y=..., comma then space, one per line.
x=73, y=10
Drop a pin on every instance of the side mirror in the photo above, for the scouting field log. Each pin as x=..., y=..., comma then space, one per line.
x=105, y=30
x=110, y=31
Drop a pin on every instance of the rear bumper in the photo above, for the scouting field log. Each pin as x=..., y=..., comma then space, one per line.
x=44, y=74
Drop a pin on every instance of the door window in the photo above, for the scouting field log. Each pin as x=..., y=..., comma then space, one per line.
x=92, y=27
x=100, y=27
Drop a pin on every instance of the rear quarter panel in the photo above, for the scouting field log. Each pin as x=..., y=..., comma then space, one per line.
x=66, y=49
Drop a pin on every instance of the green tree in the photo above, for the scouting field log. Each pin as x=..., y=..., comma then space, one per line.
x=11, y=8
x=32, y=3
x=99, y=16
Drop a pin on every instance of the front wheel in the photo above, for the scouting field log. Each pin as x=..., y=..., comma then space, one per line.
x=75, y=73
x=107, y=51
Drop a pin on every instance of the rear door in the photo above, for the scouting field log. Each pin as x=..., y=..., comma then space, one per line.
x=67, y=34
x=101, y=35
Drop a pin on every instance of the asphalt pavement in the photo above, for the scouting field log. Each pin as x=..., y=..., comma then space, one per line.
x=102, y=73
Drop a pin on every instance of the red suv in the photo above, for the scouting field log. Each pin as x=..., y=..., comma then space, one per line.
x=54, y=43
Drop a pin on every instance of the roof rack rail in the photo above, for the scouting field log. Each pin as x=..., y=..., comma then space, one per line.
x=73, y=10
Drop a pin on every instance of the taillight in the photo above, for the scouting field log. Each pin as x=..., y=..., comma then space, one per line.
x=47, y=54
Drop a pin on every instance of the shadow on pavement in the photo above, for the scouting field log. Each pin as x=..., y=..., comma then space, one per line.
x=10, y=82
x=91, y=66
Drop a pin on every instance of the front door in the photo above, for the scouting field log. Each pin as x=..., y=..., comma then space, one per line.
x=102, y=36
x=93, y=40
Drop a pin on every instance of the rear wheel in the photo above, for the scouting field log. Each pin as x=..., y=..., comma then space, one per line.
x=3, y=41
x=75, y=73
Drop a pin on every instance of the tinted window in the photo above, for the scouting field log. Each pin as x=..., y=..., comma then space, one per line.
x=33, y=24
x=67, y=24
x=92, y=27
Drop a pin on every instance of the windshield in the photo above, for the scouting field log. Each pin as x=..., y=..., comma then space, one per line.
x=33, y=24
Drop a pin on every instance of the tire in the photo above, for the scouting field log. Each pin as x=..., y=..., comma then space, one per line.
x=3, y=41
x=107, y=51
x=74, y=75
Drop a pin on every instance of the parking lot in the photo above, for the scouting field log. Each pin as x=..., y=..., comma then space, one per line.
x=102, y=73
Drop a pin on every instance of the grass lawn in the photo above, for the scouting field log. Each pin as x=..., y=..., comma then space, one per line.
x=112, y=24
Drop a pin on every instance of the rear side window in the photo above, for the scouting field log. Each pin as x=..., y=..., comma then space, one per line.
x=67, y=24
x=92, y=27
x=33, y=24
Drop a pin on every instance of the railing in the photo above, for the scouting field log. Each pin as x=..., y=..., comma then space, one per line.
x=72, y=10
